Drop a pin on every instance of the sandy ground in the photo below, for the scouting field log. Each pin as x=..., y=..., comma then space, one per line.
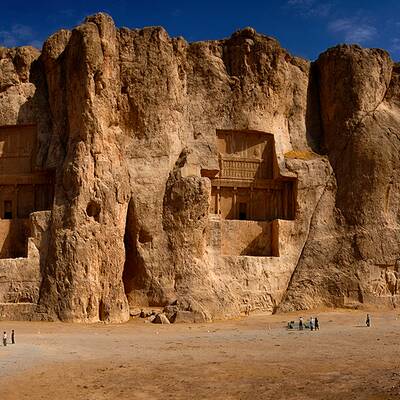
x=252, y=358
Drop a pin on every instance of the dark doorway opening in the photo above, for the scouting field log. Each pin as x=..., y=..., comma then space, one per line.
x=243, y=211
x=8, y=209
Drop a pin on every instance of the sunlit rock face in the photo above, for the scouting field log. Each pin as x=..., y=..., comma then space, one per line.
x=213, y=178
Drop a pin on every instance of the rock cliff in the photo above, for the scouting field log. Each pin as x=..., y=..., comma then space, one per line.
x=128, y=120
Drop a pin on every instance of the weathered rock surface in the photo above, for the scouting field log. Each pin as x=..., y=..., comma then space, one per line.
x=352, y=252
x=128, y=119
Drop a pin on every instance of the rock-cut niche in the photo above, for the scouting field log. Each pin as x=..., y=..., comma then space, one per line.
x=24, y=188
x=134, y=275
x=249, y=194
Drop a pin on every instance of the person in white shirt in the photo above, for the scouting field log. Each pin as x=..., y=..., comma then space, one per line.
x=312, y=323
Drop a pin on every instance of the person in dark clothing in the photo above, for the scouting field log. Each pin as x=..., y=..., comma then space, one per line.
x=12, y=337
x=368, y=321
x=301, y=323
x=4, y=339
x=316, y=324
x=312, y=323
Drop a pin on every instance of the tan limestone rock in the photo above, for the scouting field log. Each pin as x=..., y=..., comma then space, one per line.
x=128, y=118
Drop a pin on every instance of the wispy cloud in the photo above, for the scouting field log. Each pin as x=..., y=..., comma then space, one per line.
x=310, y=8
x=19, y=35
x=353, y=30
x=395, y=46
x=350, y=29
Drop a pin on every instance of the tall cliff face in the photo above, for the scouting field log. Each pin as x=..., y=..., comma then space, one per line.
x=354, y=257
x=128, y=120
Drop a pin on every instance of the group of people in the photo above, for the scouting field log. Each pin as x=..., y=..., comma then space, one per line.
x=313, y=324
x=5, y=337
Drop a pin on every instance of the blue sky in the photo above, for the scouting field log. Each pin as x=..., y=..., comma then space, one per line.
x=304, y=27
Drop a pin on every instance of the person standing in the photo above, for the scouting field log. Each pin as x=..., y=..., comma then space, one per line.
x=4, y=338
x=368, y=321
x=300, y=323
x=312, y=323
x=12, y=337
x=247, y=310
x=316, y=324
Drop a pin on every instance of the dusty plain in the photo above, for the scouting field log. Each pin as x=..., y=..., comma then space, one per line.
x=249, y=358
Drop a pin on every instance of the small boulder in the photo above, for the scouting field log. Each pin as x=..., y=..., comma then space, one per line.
x=188, y=317
x=145, y=313
x=170, y=311
x=135, y=312
x=160, y=319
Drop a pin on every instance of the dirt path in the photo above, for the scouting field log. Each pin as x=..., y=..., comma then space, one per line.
x=253, y=358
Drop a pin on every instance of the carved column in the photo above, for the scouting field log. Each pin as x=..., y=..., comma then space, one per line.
x=251, y=203
x=268, y=204
x=218, y=205
x=275, y=204
x=285, y=201
x=235, y=214
x=15, y=202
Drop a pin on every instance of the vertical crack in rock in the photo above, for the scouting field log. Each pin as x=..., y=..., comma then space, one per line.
x=135, y=278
